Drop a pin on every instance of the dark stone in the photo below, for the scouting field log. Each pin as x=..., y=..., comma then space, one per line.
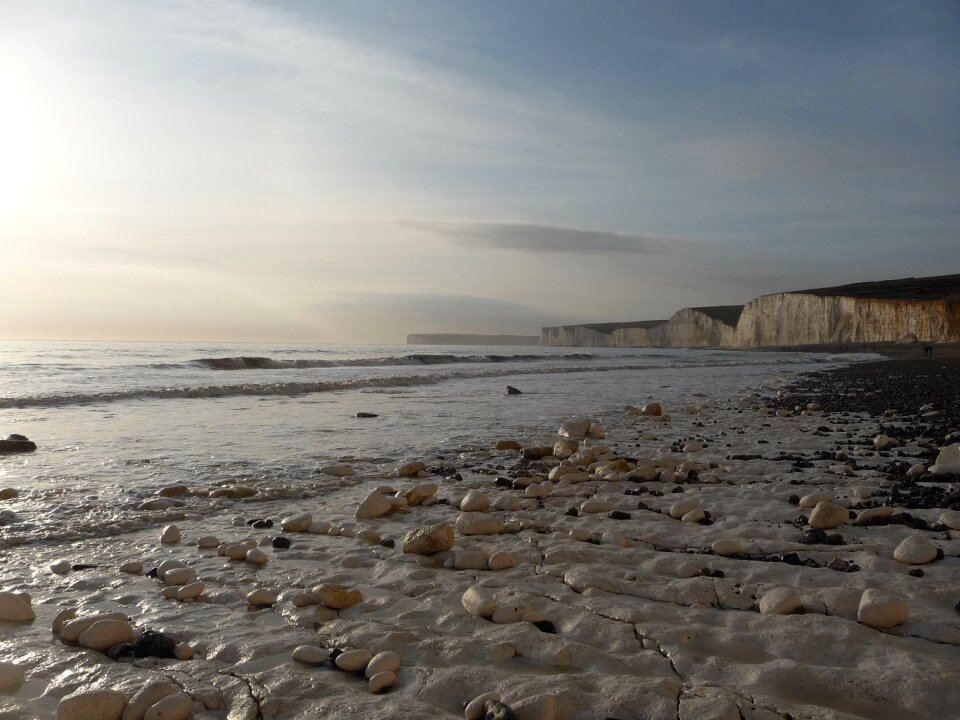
x=122, y=650
x=280, y=542
x=15, y=443
x=366, y=415
x=503, y=482
x=151, y=573
x=791, y=559
x=851, y=514
x=456, y=477
x=495, y=710
x=254, y=520
x=618, y=515
x=573, y=512
x=916, y=572
x=677, y=490
x=388, y=543
x=814, y=536
x=940, y=556
x=642, y=506
x=511, y=390
x=154, y=644
x=839, y=565
x=263, y=524
x=545, y=626
x=834, y=539
x=84, y=566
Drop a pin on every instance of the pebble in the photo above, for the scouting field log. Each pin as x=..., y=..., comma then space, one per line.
x=810, y=501
x=386, y=661
x=419, y=494
x=475, y=523
x=353, y=660
x=727, y=546
x=881, y=610
x=104, y=633
x=236, y=552
x=474, y=501
x=280, y=542
x=429, y=540
x=682, y=507
x=870, y=515
x=297, y=523
x=14, y=608
x=506, y=614
x=320, y=527
x=339, y=470
x=597, y=505
x=693, y=516
x=62, y=617
x=179, y=576
x=206, y=542
x=382, y=681
x=337, y=597
x=827, y=515
x=950, y=518
x=310, y=654
x=183, y=651
x=502, y=560
x=61, y=567
x=507, y=503
x=475, y=709
x=178, y=706
x=170, y=534
x=261, y=598
x=11, y=677
x=190, y=591
x=145, y=698
x=256, y=556
x=479, y=601
x=779, y=601
x=653, y=409
x=92, y=705
x=373, y=506
x=132, y=567
x=469, y=560
x=915, y=550
x=411, y=469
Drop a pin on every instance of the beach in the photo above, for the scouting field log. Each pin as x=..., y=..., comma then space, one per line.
x=649, y=562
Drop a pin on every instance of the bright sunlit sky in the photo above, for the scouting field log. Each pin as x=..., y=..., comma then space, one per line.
x=356, y=171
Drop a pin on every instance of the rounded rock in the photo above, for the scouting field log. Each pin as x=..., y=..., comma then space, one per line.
x=178, y=706
x=338, y=597
x=297, y=523
x=475, y=709
x=92, y=705
x=11, y=677
x=373, y=506
x=190, y=591
x=502, y=560
x=183, y=651
x=261, y=598
x=256, y=556
x=827, y=515
x=310, y=654
x=207, y=542
x=474, y=501
x=881, y=610
x=170, y=534
x=429, y=540
x=179, y=576
x=727, y=546
x=353, y=660
x=915, y=550
x=386, y=661
x=145, y=698
x=382, y=681
x=780, y=601
x=132, y=567
x=14, y=608
x=104, y=633
x=60, y=567
x=479, y=601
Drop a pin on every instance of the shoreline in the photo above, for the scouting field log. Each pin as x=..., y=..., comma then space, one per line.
x=631, y=617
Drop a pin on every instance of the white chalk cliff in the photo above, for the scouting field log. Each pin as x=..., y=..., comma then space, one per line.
x=926, y=309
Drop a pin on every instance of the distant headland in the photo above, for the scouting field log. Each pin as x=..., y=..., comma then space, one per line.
x=887, y=311
x=470, y=339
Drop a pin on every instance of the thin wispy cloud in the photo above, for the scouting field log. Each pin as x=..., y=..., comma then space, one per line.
x=538, y=238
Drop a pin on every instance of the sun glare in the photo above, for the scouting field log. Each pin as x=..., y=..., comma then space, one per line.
x=20, y=118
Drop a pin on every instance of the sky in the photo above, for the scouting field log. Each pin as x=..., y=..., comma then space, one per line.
x=353, y=172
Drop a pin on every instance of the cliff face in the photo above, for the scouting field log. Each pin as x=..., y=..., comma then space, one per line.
x=573, y=336
x=690, y=327
x=808, y=319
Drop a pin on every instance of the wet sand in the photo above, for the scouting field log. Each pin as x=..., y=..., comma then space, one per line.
x=673, y=575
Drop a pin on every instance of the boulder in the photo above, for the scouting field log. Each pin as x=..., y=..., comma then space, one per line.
x=373, y=506
x=15, y=607
x=15, y=443
x=475, y=523
x=429, y=540
x=948, y=461
x=915, y=550
x=827, y=515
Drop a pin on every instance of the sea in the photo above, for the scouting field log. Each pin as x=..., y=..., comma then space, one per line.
x=115, y=422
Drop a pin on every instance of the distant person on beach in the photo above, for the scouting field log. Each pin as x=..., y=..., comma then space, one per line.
x=928, y=350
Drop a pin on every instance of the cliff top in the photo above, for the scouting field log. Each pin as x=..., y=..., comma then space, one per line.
x=727, y=314
x=940, y=287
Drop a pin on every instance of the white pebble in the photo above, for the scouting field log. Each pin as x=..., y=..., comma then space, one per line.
x=206, y=542
x=132, y=567
x=61, y=567
x=502, y=560
x=170, y=534
x=261, y=598
x=310, y=654
x=386, y=661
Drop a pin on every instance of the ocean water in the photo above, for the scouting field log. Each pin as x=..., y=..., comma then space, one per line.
x=114, y=422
